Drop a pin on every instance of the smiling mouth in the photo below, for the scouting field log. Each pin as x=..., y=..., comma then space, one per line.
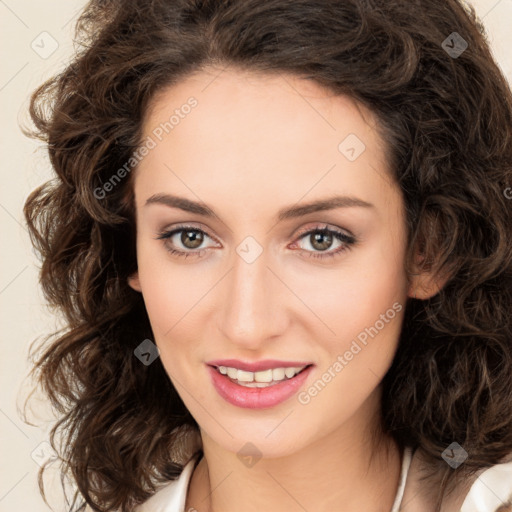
x=260, y=379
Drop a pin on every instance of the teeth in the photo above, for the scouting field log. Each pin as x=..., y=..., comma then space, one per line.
x=256, y=384
x=244, y=376
x=232, y=373
x=289, y=372
x=261, y=377
x=278, y=373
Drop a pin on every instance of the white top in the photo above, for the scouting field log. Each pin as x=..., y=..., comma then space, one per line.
x=491, y=489
x=406, y=464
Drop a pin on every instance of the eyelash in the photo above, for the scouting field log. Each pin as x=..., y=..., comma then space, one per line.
x=347, y=240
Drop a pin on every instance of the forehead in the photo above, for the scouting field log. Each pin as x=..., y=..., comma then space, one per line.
x=254, y=132
x=225, y=95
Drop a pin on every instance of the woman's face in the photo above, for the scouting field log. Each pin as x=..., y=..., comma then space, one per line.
x=252, y=278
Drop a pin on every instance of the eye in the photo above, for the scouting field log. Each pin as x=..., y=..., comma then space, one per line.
x=322, y=239
x=189, y=237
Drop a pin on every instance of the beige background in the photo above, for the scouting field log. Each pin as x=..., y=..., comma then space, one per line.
x=36, y=43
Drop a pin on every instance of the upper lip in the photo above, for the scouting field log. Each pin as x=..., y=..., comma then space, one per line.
x=256, y=366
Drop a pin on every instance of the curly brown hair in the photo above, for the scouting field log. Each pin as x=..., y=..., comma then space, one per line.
x=446, y=118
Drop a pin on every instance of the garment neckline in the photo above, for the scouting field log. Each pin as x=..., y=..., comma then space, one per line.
x=406, y=464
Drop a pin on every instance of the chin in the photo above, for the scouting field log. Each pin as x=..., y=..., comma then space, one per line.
x=258, y=444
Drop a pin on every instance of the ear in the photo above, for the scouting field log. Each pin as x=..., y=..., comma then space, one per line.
x=133, y=282
x=426, y=283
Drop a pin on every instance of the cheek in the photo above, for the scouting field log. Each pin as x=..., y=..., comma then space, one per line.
x=353, y=296
x=172, y=296
x=367, y=328
x=163, y=288
x=373, y=314
x=377, y=279
x=374, y=287
x=364, y=310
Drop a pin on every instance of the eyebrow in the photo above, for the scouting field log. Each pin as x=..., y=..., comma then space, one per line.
x=289, y=212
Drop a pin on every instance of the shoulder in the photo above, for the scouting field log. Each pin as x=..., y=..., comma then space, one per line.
x=491, y=491
x=488, y=490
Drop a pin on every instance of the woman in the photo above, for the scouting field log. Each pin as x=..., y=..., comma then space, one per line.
x=280, y=234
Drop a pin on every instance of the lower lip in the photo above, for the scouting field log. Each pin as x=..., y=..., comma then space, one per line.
x=257, y=398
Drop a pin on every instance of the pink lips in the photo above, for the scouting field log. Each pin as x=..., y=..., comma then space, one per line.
x=256, y=398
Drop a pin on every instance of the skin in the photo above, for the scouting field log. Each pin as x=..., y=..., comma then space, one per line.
x=255, y=144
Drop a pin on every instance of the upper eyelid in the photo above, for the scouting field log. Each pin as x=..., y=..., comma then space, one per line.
x=324, y=227
x=183, y=227
x=179, y=228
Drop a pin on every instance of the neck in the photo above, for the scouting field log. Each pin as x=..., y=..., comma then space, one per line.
x=350, y=470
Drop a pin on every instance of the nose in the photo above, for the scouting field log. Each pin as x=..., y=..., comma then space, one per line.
x=254, y=308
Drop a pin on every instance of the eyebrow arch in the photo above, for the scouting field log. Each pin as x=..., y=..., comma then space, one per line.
x=288, y=212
